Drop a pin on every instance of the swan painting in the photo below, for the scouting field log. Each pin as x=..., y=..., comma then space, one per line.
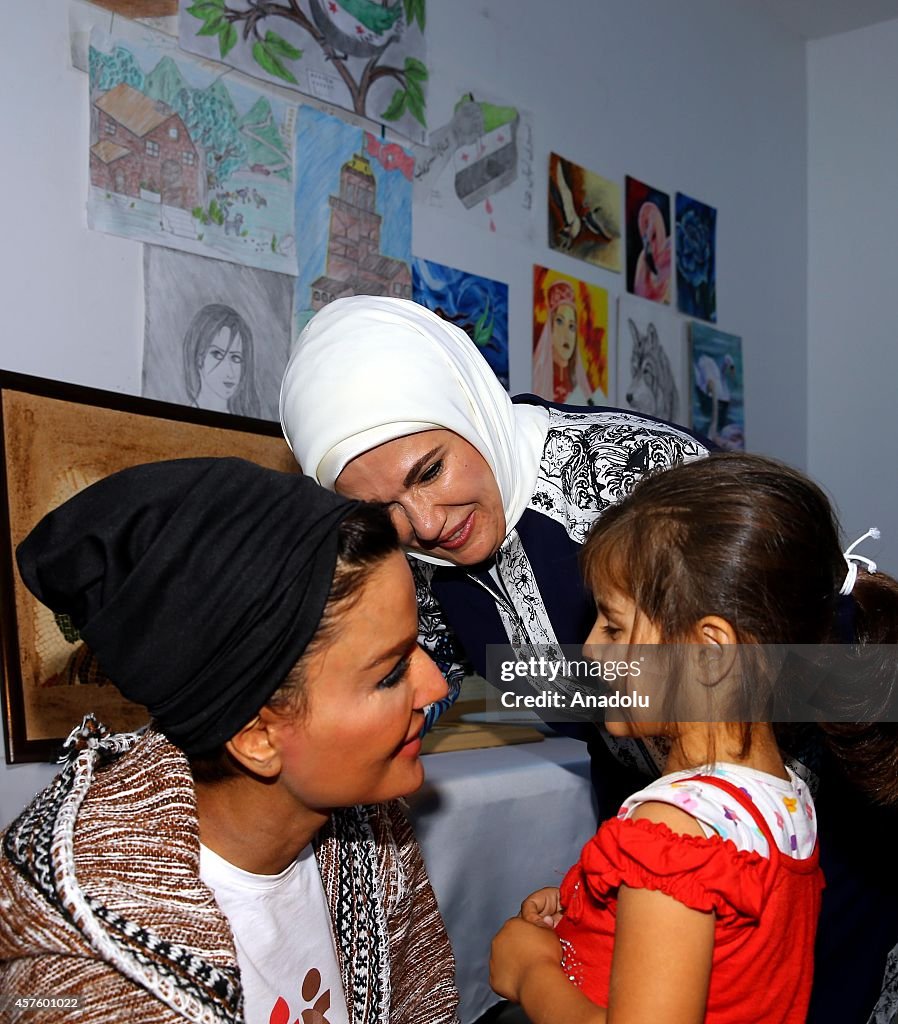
x=717, y=408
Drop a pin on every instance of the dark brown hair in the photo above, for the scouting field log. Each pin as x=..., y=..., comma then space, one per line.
x=868, y=751
x=739, y=536
x=755, y=542
x=365, y=538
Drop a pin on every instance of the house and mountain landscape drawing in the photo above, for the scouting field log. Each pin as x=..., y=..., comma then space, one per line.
x=201, y=165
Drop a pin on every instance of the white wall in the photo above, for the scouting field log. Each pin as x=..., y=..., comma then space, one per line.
x=853, y=278
x=699, y=96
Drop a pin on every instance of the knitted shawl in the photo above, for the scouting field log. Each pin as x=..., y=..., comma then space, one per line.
x=100, y=898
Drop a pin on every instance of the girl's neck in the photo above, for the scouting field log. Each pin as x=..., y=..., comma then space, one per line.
x=701, y=743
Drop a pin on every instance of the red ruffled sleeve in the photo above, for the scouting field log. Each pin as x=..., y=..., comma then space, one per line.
x=702, y=873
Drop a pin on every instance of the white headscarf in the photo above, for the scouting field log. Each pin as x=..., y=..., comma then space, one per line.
x=369, y=369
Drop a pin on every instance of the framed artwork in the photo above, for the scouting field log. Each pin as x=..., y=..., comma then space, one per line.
x=651, y=361
x=140, y=8
x=718, y=409
x=57, y=439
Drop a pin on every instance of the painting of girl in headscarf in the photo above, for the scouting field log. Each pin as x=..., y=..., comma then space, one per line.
x=570, y=339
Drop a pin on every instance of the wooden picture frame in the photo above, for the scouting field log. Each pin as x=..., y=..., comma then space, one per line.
x=56, y=439
x=141, y=8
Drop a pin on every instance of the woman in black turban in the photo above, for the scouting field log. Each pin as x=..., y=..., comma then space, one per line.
x=244, y=858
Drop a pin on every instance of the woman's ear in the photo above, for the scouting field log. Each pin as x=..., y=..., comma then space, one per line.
x=255, y=746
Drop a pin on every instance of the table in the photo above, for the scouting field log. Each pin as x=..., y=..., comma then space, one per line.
x=494, y=825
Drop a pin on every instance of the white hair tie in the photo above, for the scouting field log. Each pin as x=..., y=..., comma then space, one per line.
x=852, y=560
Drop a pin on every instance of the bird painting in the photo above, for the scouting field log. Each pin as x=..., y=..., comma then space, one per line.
x=713, y=378
x=583, y=221
x=588, y=218
x=652, y=280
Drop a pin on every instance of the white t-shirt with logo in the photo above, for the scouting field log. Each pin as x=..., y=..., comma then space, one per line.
x=284, y=938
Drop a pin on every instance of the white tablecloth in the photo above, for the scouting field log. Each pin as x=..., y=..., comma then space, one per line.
x=494, y=825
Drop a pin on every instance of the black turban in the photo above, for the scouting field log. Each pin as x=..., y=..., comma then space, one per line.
x=197, y=583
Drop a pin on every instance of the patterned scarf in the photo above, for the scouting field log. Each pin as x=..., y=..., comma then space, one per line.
x=40, y=845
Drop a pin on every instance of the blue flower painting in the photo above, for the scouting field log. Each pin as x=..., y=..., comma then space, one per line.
x=478, y=305
x=696, y=244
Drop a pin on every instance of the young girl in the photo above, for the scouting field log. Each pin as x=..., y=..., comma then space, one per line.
x=699, y=902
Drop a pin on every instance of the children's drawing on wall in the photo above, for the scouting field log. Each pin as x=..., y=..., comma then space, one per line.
x=584, y=214
x=478, y=165
x=478, y=305
x=184, y=157
x=219, y=362
x=366, y=56
x=570, y=339
x=106, y=16
x=648, y=241
x=718, y=410
x=353, y=213
x=651, y=361
x=216, y=334
x=696, y=228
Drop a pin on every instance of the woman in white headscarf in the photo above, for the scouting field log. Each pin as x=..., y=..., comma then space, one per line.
x=492, y=497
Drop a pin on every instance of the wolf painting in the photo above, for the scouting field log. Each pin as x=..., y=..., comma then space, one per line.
x=653, y=389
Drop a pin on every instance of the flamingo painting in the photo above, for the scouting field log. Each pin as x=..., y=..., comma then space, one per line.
x=652, y=279
x=649, y=244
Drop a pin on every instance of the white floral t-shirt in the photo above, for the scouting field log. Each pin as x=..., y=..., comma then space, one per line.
x=785, y=804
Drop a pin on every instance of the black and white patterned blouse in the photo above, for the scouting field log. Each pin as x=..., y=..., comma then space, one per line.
x=532, y=594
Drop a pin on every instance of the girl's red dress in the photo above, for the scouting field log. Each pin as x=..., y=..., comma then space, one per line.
x=766, y=912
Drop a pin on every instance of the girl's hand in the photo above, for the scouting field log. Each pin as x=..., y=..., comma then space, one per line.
x=543, y=907
x=517, y=949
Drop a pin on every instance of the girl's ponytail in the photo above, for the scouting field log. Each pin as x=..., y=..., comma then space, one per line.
x=867, y=751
